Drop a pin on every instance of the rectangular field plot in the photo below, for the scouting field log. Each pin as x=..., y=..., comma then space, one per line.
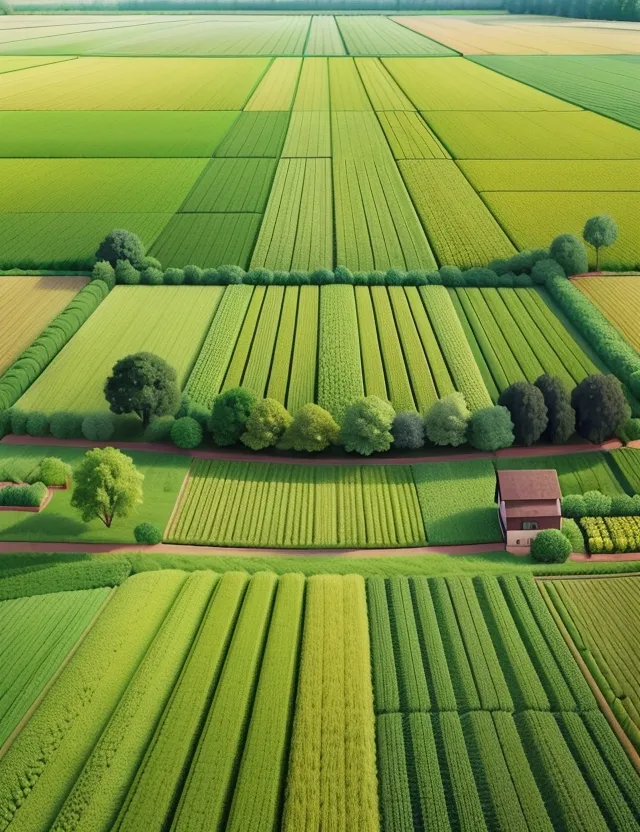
x=255, y=134
x=324, y=37
x=497, y=135
x=409, y=136
x=36, y=635
x=383, y=91
x=134, y=84
x=458, y=84
x=78, y=186
x=552, y=174
x=231, y=186
x=65, y=240
x=297, y=230
x=578, y=473
x=94, y=133
x=207, y=240
x=313, y=86
x=376, y=223
x=364, y=35
x=346, y=87
x=602, y=620
x=15, y=64
x=520, y=338
x=262, y=504
x=461, y=229
x=532, y=219
x=277, y=87
x=357, y=135
x=309, y=135
x=173, y=326
x=619, y=299
x=457, y=502
x=602, y=84
x=27, y=304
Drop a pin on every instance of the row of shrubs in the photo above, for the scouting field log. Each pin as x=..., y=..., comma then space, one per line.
x=23, y=495
x=50, y=470
x=597, y=504
x=26, y=369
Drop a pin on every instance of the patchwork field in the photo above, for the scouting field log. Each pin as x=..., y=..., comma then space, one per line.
x=619, y=299
x=373, y=131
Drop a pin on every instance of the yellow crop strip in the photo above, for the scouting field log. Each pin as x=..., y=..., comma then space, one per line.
x=278, y=86
x=619, y=299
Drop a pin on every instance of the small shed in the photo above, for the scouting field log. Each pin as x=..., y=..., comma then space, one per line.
x=528, y=502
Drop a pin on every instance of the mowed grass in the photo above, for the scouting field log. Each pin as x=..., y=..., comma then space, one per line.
x=27, y=304
x=118, y=134
x=169, y=321
x=163, y=477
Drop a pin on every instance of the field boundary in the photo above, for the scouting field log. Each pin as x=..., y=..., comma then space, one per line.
x=604, y=706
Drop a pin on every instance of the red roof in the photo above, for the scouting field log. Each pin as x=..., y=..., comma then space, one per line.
x=546, y=508
x=530, y=485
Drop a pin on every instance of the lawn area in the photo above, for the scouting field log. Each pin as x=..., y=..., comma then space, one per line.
x=163, y=476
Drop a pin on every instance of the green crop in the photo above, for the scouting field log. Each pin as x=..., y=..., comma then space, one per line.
x=258, y=366
x=372, y=367
x=414, y=693
x=424, y=389
x=309, y=134
x=383, y=668
x=281, y=364
x=378, y=35
x=258, y=134
x=400, y=393
x=302, y=373
x=395, y=794
x=230, y=186
x=312, y=93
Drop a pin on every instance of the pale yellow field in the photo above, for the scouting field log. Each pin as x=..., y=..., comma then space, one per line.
x=278, y=86
x=514, y=35
x=27, y=304
x=619, y=299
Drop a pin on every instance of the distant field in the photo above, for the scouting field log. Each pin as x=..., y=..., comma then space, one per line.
x=27, y=304
x=619, y=299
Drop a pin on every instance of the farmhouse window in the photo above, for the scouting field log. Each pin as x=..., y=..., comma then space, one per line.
x=529, y=525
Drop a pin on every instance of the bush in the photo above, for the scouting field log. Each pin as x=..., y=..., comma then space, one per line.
x=193, y=275
x=152, y=276
x=229, y=416
x=174, y=277
x=407, y=430
x=185, y=405
x=451, y=276
x=147, y=534
x=121, y=245
x=51, y=471
x=561, y=416
x=597, y=504
x=573, y=506
x=5, y=422
x=571, y=531
x=322, y=277
x=186, y=432
x=210, y=277
x=546, y=269
x=103, y=270
x=569, y=252
x=150, y=263
x=491, y=428
x=159, y=429
x=200, y=413
x=65, y=425
x=447, y=420
x=550, y=546
x=622, y=505
x=230, y=274
x=30, y=496
x=313, y=429
x=343, y=275
x=366, y=426
x=528, y=410
x=127, y=274
x=19, y=421
x=266, y=425
x=98, y=427
x=480, y=277
x=37, y=424
x=259, y=277
x=601, y=407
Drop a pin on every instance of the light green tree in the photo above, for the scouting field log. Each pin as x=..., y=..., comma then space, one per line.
x=601, y=230
x=107, y=485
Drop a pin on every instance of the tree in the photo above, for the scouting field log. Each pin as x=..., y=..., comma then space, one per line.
x=186, y=432
x=127, y=274
x=447, y=421
x=550, y=546
x=313, y=429
x=266, y=424
x=104, y=271
x=366, y=426
x=407, y=430
x=601, y=407
x=491, y=428
x=147, y=534
x=560, y=414
x=144, y=384
x=5, y=7
x=569, y=251
x=121, y=245
x=528, y=411
x=107, y=485
x=599, y=231
x=229, y=416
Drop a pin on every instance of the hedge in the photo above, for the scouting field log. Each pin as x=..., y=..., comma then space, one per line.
x=63, y=577
x=30, y=496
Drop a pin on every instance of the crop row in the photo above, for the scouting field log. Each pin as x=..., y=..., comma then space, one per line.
x=628, y=461
x=601, y=618
x=611, y=534
x=231, y=186
x=378, y=35
x=261, y=504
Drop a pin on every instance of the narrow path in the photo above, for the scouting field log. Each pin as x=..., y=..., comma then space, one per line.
x=317, y=459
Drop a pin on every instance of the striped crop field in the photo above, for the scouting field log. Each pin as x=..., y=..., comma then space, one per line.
x=173, y=326
x=628, y=462
x=619, y=299
x=601, y=618
x=483, y=720
x=310, y=506
x=579, y=473
x=27, y=305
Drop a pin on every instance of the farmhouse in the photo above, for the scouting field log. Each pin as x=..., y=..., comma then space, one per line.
x=528, y=501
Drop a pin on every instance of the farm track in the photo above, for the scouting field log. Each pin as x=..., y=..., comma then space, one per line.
x=250, y=456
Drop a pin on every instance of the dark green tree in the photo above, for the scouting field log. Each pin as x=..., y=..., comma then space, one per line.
x=528, y=411
x=143, y=384
x=569, y=251
x=229, y=416
x=601, y=407
x=121, y=245
x=560, y=413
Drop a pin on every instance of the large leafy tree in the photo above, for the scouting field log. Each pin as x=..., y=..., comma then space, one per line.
x=313, y=429
x=230, y=414
x=107, y=485
x=601, y=407
x=528, y=411
x=447, y=421
x=560, y=413
x=366, y=426
x=599, y=231
x=144, y=384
